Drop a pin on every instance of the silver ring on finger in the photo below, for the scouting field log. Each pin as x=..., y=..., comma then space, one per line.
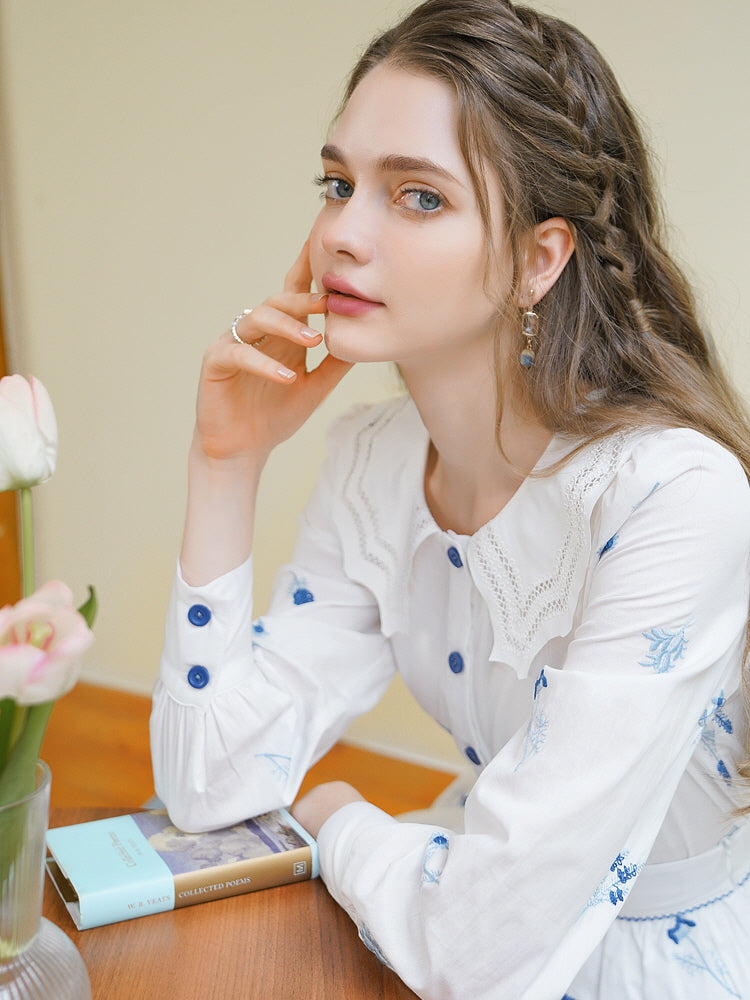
x=235, y=321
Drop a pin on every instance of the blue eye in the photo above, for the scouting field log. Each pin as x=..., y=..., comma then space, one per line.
x=423, y=201
x=428, y=201
x=335, y=188
x=340, y=188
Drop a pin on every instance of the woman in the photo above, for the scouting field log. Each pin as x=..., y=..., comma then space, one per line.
x=548, y=537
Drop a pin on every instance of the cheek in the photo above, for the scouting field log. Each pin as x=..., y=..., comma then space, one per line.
x=451, y=271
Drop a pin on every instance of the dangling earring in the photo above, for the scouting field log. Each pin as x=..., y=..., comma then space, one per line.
x=529, y=329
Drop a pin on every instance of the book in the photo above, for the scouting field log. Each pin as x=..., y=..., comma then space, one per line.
x=115, y=869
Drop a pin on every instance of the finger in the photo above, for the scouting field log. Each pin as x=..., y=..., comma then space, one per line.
x=270, y=320
x=299, y=278
x=299, y=304
x=231, y=358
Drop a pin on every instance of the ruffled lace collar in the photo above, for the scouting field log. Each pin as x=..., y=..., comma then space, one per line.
x=528, y=562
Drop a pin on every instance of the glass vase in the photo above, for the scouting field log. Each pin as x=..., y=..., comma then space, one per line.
x=38, y=961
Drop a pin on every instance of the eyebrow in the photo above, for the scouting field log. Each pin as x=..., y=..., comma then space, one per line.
x=394, y=163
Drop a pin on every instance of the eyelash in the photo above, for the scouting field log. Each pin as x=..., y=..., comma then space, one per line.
x=324, y=180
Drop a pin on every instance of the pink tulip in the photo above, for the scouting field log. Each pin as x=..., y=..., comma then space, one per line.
x=28, y=433
x=42, y=640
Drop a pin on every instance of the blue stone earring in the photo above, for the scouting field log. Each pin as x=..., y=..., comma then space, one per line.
x=529, y=329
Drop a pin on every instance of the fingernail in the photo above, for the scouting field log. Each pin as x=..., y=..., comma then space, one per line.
x=307, y=332
x=320, y=295
x=286, y=373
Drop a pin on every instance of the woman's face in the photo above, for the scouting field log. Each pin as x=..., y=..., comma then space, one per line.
x=399, y=242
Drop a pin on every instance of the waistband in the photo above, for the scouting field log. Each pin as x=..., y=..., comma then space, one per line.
x=674, y=887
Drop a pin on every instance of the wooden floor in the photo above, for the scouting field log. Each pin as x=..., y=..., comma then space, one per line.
x=97, y=748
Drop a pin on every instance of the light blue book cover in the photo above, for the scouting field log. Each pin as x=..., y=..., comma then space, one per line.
x=130, y=866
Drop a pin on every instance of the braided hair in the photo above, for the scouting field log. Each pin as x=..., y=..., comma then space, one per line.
x=619, y=342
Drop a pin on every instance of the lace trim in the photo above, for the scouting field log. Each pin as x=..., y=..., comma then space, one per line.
x=373, y=547
x=382, y=545
x=378, y=550
x=524, y=615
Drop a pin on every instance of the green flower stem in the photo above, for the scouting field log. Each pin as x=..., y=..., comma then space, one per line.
x=17, y=777
x=27, y=542
x=7, y=714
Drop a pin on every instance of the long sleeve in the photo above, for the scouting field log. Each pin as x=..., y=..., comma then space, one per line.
x=563, y=818
x=243, y=707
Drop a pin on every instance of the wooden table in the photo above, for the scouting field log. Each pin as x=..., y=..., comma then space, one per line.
x=275, y=944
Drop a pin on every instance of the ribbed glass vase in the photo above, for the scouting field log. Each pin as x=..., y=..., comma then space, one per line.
x=38, y=961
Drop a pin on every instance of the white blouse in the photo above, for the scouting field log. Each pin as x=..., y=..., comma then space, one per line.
x=583, y=648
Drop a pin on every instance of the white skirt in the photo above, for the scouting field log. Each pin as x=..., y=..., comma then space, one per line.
x=682, y=934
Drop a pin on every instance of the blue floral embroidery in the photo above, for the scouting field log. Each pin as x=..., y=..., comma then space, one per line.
x=300, y=593
x=606, y=547
x=541, y=681
x=667, y=646
x=434, y=859
x=369, y=941
x=536, y=730
x=682, y=927
x=279, y=762
x=258, y=627
x=614, y=890
x=710, y=723
x=723, y=770
x=717, y=715
x=693, y=960
x=650, y=493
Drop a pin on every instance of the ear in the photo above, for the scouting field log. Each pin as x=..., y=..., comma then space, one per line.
x=551, y=246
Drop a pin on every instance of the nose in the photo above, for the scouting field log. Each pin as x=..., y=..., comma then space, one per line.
x=348, y=230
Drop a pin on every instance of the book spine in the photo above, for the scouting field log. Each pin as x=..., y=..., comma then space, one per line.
x=94, y=908
x=243, y=876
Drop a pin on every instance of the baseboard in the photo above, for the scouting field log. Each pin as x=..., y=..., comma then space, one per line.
x=389, y=749
x=399, y=753
x=115, y=684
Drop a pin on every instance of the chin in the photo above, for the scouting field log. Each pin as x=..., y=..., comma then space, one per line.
x=342, y=351
x=347, y=347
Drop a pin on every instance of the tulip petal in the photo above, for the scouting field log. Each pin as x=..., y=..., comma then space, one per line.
x=45, y=421
x=42, y=640
x=17, y=663
x=28, y=433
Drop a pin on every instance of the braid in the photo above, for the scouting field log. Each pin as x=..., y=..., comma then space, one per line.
x=537, y=104
x=620, y=342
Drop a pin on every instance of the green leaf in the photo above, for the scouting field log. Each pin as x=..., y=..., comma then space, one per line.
x=90, y=607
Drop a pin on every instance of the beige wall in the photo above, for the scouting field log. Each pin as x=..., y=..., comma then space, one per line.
x=157, y=165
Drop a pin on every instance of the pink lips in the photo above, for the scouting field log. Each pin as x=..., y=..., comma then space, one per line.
x=345, y=299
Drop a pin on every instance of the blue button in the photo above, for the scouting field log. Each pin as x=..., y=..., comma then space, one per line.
x=472, y=755
x=455, y=556
x=456, y=662
x=198, y=677
x=199, y=615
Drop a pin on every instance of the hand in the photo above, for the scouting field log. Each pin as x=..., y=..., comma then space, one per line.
x=313, y=809
x=252, y=398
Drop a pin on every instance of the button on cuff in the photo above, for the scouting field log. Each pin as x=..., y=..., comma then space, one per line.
x=199, y=615
x=198, y=677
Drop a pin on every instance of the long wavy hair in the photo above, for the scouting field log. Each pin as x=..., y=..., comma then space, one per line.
x=620, y=344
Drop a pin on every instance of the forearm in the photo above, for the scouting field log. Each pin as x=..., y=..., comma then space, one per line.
x=314, y=808
x=220, y=514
